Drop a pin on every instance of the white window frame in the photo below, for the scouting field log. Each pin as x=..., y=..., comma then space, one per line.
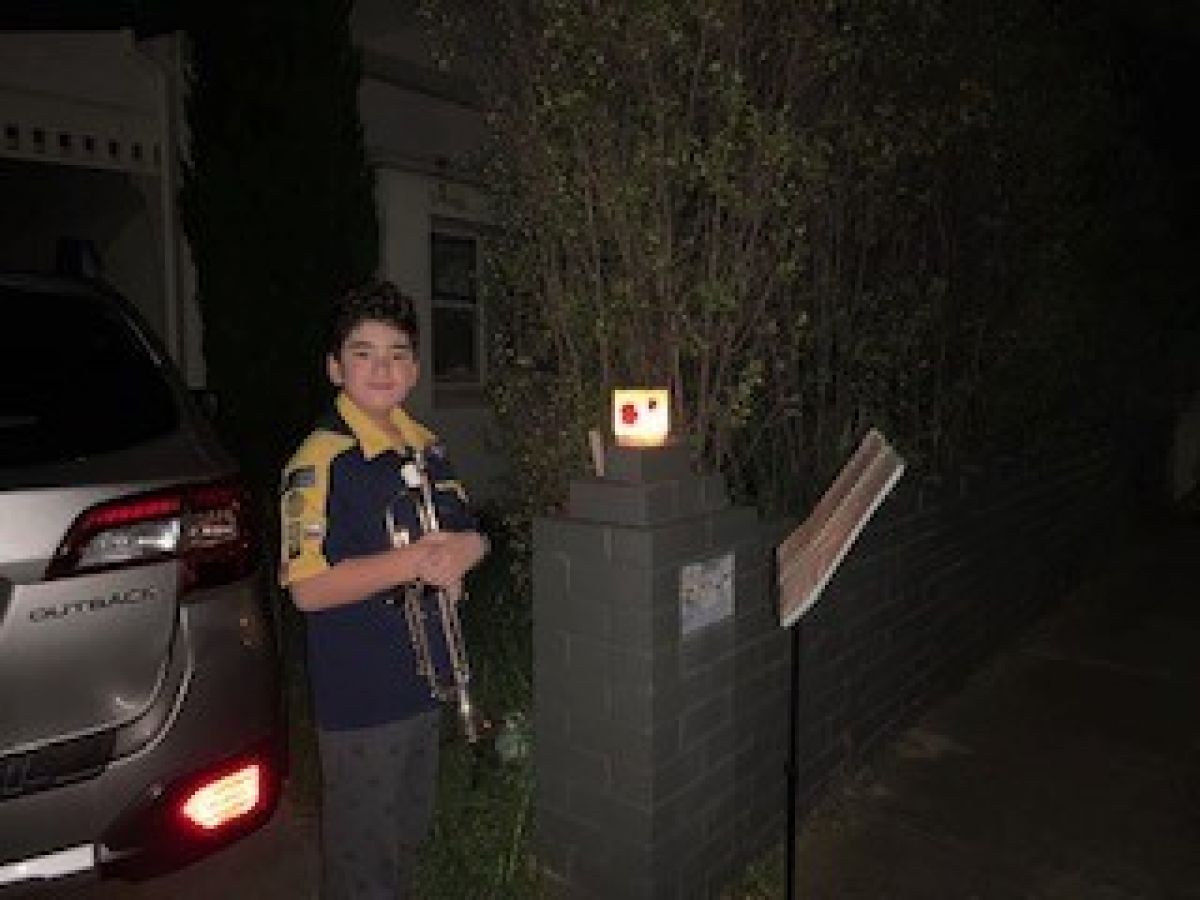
x=456, y=229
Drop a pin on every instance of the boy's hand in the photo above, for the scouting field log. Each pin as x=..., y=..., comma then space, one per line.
x=448, y=556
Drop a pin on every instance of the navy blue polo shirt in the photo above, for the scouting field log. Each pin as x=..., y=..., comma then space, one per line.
x=343, y=496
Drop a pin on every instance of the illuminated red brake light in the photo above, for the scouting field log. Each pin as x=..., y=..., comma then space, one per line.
x=199, y=811
x=224, y=800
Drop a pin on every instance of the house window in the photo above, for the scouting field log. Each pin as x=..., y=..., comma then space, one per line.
x=457, y=356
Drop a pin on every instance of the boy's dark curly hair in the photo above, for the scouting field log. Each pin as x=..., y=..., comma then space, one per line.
x=374, y=301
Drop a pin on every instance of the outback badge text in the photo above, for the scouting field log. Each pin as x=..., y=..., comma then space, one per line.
x=93, y=604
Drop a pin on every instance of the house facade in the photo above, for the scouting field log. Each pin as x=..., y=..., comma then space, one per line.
x=92, y=134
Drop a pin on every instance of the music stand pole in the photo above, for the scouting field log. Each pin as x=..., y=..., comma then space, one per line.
x=793, y=765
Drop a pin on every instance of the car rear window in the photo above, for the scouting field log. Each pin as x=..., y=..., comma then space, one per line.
x=75, y=381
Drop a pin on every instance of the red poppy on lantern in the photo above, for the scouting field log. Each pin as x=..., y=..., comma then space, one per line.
x=641, y=417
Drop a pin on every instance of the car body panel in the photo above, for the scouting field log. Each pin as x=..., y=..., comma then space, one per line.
x=114, y=685
x=83, y=654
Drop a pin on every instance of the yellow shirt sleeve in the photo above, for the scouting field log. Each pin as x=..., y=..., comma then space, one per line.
x=303, y=508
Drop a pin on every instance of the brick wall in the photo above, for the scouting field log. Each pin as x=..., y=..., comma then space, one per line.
x=660, y=756
x=657, y=752
x=946, y=573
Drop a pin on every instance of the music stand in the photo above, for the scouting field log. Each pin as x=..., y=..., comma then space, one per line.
x=807, y=560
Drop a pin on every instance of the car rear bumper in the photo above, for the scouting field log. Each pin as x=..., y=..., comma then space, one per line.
x=60, y=864
x=227, y=710
x=149, y=837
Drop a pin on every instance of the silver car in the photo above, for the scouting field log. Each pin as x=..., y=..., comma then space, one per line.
x=140, y=716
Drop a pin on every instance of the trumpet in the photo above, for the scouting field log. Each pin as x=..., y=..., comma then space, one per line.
x=432, y=609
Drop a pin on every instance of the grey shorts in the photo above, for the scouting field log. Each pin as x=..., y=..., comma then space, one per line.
x=377, y=793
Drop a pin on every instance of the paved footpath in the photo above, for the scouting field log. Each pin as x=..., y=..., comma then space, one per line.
x=1068, y=769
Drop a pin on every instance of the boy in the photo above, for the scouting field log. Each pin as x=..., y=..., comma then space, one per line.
x=343, y=501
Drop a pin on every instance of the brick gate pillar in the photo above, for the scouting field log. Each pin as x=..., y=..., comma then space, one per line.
x=660, y=675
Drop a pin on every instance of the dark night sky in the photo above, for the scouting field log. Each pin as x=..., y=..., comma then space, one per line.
x=1156, y=49
x=1160, y=47
x=1163, y=55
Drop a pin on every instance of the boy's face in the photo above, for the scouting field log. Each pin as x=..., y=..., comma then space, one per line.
x=376, y=367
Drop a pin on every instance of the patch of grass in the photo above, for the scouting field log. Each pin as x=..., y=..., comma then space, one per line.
x=762, y=880
x=478, y=846
x=479, y=843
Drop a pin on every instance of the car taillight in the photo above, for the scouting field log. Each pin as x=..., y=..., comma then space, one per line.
x=223, y=800
x=176, y=822
x=206, y=527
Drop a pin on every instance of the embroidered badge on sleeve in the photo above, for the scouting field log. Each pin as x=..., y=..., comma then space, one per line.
x=302, y=477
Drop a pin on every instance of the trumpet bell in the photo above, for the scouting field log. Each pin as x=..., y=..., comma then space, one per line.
x=473, y=724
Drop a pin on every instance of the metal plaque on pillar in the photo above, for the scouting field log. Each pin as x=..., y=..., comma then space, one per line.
x=705, y=593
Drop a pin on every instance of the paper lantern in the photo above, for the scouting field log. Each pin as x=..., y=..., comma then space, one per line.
x=641, y=417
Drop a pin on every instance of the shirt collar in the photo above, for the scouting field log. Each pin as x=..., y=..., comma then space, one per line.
x=374, y=440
